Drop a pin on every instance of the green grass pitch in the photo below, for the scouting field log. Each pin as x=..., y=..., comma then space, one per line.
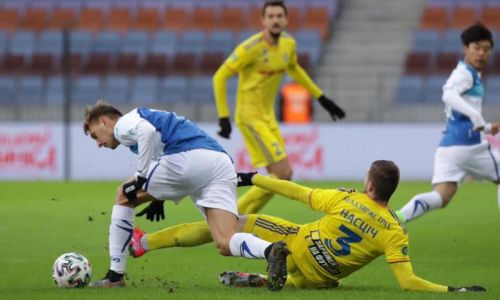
x=39, y=221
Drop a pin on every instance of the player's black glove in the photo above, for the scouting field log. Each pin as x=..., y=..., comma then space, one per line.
x=473, y=288
x=153, y=211
x=245, y=179
x=225, y=127
x=130, y=188
x=333, y=109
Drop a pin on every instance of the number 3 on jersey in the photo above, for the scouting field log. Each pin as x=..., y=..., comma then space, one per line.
x=344, y=242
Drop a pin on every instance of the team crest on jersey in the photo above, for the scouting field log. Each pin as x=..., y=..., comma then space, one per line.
x=286, y=57
x=265, y=55
x=404, y=250
x=233, y=57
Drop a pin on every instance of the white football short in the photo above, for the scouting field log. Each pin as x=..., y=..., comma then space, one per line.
x=207, y=176
x=452, y=164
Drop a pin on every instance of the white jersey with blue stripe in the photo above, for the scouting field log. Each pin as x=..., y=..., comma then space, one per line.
x=154, y=133
x=466, y=81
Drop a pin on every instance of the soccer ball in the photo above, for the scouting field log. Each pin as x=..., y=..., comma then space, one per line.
x=71, y=270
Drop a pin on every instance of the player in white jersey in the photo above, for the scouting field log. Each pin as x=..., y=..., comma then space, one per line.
x=463, y=149
x=175, y=159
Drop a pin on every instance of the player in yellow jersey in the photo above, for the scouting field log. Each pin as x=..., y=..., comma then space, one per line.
x=260, y=63
x=356, y=229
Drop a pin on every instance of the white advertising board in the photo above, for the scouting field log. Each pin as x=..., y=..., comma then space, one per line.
x=335, y=151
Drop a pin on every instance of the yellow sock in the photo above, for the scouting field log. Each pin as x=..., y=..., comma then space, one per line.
x=253, y=200
x=182, y=235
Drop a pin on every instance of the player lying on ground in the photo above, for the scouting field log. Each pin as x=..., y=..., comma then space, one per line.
x=462, y=151
x=175, y=159
x=356, y=229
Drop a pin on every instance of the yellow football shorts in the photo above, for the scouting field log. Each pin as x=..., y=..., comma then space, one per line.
x=264, y=142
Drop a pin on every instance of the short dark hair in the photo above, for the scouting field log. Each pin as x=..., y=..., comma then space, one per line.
x=94, y=112
x=475, y=33
x=280, y=3
x=384, y=175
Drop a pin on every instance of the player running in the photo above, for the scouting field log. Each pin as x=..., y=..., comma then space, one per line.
x=356, y=229
x=260, y=62
x=462, y=151
x=175, y=159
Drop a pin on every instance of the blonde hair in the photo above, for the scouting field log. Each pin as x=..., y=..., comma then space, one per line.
x=94, y=112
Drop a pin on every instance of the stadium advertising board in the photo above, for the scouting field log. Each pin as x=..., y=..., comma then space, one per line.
x=33, y=151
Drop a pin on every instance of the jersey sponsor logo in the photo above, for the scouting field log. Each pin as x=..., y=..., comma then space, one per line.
x=321, y=255
x=272, y=72
x=347, y=190
x=366, y=210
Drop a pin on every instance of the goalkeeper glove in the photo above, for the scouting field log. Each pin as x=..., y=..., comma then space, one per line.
x=131, y=188
x=333, y=109
x=154, y=210
x=245, y=179
x=225, y=127
x=473, y=288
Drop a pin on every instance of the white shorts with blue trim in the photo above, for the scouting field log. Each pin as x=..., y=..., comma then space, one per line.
x=453, y=163
x=207, y=176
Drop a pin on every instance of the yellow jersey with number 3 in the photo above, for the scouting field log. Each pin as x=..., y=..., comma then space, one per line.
x=354, y=231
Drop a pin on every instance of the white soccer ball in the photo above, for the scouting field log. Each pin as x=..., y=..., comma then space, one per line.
x=71, y=270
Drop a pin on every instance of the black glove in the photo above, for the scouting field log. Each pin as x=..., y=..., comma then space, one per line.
x=245, y=179
x=154, y=210
x=130, y=188
x=333, y=109
x=225, y=127
x=473, y=288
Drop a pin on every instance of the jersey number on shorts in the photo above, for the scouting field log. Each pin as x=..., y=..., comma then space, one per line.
x=277, y=148
x=344, y=242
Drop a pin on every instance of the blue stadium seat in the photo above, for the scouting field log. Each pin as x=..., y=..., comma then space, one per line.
x=425, y=41
x=220, y=41
x=80, y=42
x=86, y=89
x=75, y=5
x=29, y=90
x=50, y=41
x=18, y=5
x=136, y=42
x=433, y=88
x=492, y=90
x=245, y=34
x=3, y=43
x=125, y=4
x=409, y=89
x=469, y=3
x=192, y=42
x=22, y=42
x=451, y=42
x=144, y=90
x=330, y=5
x=106, y=42
x=158, y=5
x=7, y=90
x=54, y=91
x=189, y=4
x=47, y=5
x=309, y=41
x=201, y=90
x=173, y=89
x=97, y=4
x=164, y=42
x=116, y=89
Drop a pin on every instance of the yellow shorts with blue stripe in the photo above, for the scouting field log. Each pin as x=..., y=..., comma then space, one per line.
x=274, y=229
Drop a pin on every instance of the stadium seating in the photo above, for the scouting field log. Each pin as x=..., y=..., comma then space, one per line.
x=119, y=49
x=437, y=47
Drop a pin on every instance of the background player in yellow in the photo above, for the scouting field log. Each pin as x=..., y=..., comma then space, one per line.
x=260, y=62
x=356, y=229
